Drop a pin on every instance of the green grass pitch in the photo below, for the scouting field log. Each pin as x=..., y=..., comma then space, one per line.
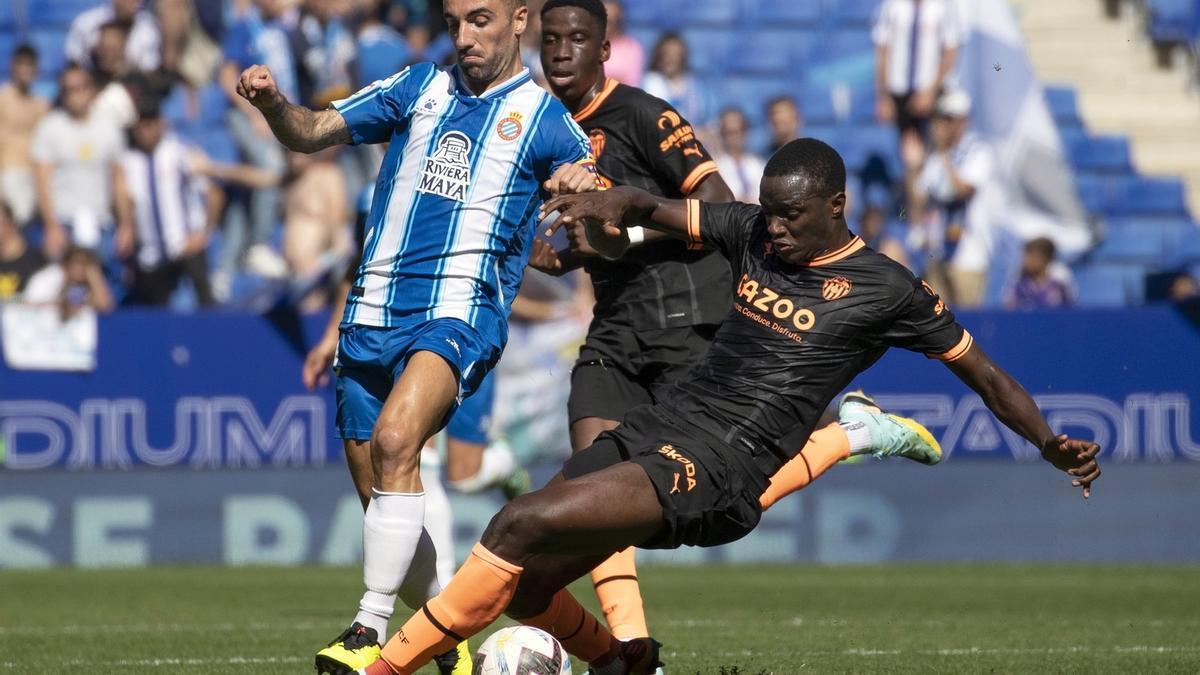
x=743, y=620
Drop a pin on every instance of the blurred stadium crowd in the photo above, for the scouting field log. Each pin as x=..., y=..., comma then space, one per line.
x=131, y=174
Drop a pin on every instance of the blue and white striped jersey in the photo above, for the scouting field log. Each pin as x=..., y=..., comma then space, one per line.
x=455, y=204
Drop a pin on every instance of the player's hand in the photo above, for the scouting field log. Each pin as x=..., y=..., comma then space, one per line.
x=885, y=109
x=604, y=208
x=545, y=259
x=257, y=86
x=315, y=371
x=571, y=179
x=1076, y=457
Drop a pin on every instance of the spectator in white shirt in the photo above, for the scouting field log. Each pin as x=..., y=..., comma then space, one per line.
x=740, y=168
x=948, y=204
x=670, y=78
x=143, y=48
x=916, y=45
x=76, y=158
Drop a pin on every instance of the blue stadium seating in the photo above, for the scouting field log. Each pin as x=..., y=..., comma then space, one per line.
x=1132, y=240
x=718, y=13
x=751, y=93
x=642, y=14
x=859, y=13
x=49, y=45
x=1110, y=285
x=772, y=52
x=58, y=13
x=1173, y=20
x=1063, y=107
x=1142, y=195
x=9, y=19
x=1100, y=154
x=780, y=13
x=709, y=50
x=8, y=42
x=1095, y=193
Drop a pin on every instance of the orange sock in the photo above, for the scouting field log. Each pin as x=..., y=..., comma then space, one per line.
x=827, y=446
x=474, y=598
x=620, y=597
x=579, y=632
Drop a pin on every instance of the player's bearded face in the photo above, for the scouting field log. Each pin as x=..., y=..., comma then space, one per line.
x=486, y=35
x=573, y=51
x=801, y=223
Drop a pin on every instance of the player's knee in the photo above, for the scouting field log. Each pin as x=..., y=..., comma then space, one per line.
x=516, y=532
x=533, y=596
x=395, y=447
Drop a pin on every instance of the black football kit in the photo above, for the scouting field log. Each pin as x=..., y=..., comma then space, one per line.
x=657, y=307
x=795, y=336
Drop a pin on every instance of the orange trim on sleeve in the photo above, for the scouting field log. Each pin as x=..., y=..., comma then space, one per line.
x=693, y=223
x=698, y=174
x=479, y=551
x=590, y=108
x=843, y=252
x=960, y=350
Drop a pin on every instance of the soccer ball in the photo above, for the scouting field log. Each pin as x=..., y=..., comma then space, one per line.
x=521, y=650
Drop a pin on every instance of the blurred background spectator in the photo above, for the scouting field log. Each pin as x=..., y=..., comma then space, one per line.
x=628, y=59
x=166, y=201
x=188, y=52
x=1184, y=287
x=957, y=238
x=317, y=234
x=18, y=260
x=112, y=73
x=326, y=52
x=381, y=50
x=142, y=47
x=20, y=111
x=785, y=122
x=73, y=286
x=670, y=78
x=1043, y=283
x=76, y=157
x=263, y=34
x=740, y=168
x=916, y=46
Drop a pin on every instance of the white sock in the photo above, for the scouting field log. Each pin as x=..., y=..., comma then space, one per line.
x=439, y=520
x=391, y=534
x=498, y=463
x=860, y=437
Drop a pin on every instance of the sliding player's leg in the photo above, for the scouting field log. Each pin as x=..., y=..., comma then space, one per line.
x=601, y=393
x=863, y=428
x=589, y=517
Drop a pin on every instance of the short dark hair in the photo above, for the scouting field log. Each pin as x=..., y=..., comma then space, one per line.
x=812, y=159
x=114, y=25
x=782, y=98
x=656, y=55
x=26, y=51
x=1043, y=246
x=593, y=7
x=6, y=212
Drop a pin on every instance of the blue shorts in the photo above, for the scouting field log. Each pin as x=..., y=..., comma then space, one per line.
x=370, y=360
x=473, y=419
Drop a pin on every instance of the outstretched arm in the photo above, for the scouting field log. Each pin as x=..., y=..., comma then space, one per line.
x=297, y=128
x=614, y=209
x=1013, y=406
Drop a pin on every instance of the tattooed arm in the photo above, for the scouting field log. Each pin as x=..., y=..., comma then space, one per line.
x=296, y=127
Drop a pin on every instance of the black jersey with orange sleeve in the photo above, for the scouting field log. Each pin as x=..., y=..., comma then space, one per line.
x=797, y=335
x=640, y=140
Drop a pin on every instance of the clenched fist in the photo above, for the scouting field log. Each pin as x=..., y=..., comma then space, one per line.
x=257, y=86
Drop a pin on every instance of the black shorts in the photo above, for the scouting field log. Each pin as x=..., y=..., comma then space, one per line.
x=906, y=120
x=620, y=368
x=708, y=490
